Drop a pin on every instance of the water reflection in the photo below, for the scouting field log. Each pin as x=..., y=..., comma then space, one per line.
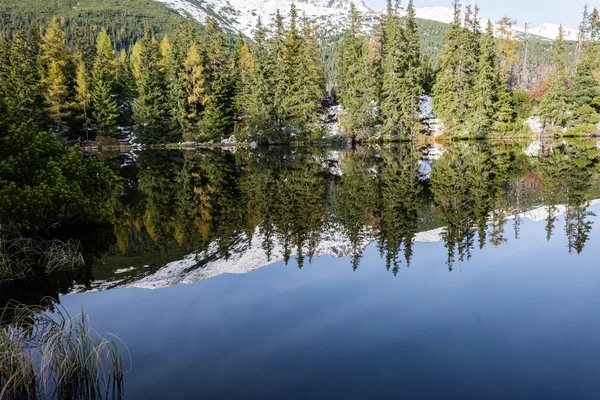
x=192, y=210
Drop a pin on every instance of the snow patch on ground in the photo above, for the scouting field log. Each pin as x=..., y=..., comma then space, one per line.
x=533, y=149
x=534, y=124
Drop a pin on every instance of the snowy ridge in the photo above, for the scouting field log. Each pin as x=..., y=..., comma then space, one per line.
x=246, y=257
x=338, y=4
x=329, y=15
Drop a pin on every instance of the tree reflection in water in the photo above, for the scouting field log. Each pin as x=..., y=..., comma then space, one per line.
x=286, y=202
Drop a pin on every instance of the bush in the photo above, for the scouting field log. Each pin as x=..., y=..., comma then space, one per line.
x=44, y=182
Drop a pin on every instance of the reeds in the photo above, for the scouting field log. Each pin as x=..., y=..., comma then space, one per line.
x=55, y=356
x=21, y=257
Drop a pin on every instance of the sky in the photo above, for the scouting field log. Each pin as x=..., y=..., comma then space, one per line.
x=536, y=12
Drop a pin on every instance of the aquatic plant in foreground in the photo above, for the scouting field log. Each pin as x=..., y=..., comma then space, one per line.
x=57, y=356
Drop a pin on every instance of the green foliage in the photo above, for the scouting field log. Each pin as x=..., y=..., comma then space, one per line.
x=470, y=94
x=554, y=107
x=356, y=82
x=44, y=182
x=400, y=75
x=124, y=20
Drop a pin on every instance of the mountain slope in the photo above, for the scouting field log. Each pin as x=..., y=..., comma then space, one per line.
x=329, y=15
x=125, y=20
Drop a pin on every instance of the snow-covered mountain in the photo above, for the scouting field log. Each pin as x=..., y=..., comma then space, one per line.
x=338, y=4
x=550, y=31
x=329, y=15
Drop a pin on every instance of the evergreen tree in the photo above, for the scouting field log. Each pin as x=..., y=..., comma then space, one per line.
x=83, y=95
x=194, y=87
x=57, y=95
x=310, y=93
x=584, y=94
x=175, y=76
x=219, y=85
x=357, y=90
x=253, y=101
x=554, y=107
x=104, y=74
x=276, y=73
x=245, y=75
x=485, y=95
x=150, y=104
x=401, y=89
x=451, y=89
x=58, y=75
x=125, y=89
x=22, y=92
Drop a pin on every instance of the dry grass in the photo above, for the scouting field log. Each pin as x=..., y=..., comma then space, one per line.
x=21, y=257
x=57, y=356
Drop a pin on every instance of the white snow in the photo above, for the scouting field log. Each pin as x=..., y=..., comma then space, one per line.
x=533, y=149
x=535, y=124
x=550, y=31
x=329, y=15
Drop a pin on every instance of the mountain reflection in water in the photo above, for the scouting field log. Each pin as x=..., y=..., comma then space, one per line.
x=191, y=215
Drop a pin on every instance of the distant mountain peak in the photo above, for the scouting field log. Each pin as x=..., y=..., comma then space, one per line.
x=338, y=4
x=329, y=15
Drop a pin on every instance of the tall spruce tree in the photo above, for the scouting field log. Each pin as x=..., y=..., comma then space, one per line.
x=276, y=72
x=219, y=84
x=22, y=92
x=150, y=104
x=83, y=95
x=254, y=100
x=104, y=74
x=401, y=88
x=357, y=90
x=311, y=92
x=554, y=107
x=58, y=76
x=194, y=89
x=584, y=94
x=451, y=84
x=485, y=96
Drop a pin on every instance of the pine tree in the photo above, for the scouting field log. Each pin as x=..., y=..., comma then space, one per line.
x=58, y=65
x=401, y=88
x=584, y=94
x=83, y=95
x=125, y=88
x=57, y=95
x=554, y=107
x=150, y=104
x=311, y=91
x=218, y=72
x=104, y=73
x=276, y=72
x=245, y=75
x=485, y=96
x=194, y=87
x=507, y=48
x=175, y=76
x=451, y=85
x=254, y=101
x=357, y=90
x=22, y=90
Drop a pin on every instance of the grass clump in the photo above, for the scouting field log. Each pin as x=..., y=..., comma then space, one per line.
x=57, y=356
x=21, y=257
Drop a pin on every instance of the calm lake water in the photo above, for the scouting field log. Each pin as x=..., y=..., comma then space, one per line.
x=468, y=271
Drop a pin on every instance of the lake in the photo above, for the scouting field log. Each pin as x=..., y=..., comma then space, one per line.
x=461, y=271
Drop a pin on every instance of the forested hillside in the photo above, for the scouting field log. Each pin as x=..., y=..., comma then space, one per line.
x=124, y=20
